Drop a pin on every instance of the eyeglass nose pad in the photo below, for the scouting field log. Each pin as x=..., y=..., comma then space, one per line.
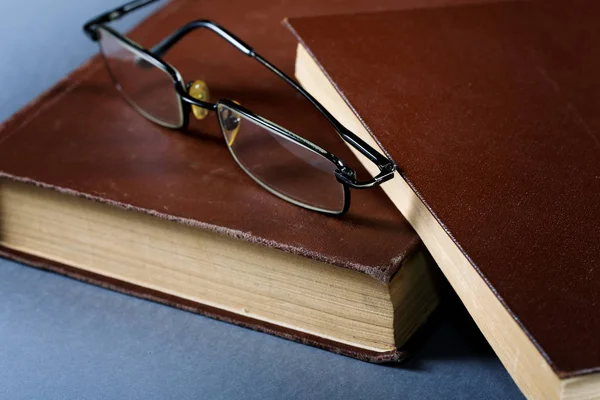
x=199, y=90
x=231, y=122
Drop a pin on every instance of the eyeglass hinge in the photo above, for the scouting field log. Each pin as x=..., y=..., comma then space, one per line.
x=348, y=176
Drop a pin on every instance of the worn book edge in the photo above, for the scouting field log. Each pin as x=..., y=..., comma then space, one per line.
x=212, y=269
x=203, y=309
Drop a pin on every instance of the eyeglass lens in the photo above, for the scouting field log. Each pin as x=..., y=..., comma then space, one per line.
x=147, y=87
x=280, y=164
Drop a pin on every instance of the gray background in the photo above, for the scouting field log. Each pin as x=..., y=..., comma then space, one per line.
x=61, y=339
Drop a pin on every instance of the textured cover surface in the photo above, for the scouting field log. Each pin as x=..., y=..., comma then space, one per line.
x=491, y=112
x=82, y=138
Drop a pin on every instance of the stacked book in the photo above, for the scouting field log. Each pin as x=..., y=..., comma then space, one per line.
x=489, y=111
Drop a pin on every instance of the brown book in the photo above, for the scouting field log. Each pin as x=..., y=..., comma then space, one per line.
x=491, y=113
x=91, y=189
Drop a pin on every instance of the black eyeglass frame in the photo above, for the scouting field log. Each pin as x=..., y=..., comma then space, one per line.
x=344, y=174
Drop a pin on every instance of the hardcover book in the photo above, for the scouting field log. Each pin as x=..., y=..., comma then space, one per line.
x=91, y=189
x=491, y=113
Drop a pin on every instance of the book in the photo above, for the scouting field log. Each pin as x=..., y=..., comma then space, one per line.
x=91, y=189
x=490, y=112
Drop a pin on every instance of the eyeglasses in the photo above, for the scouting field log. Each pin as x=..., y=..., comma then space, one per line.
x=282, y=162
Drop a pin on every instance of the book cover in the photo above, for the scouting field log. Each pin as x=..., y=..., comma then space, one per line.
x=490, y=112
x=82, y=147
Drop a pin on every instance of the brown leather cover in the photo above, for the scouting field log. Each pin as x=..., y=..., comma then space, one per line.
x=492, y=112
x=82, y=138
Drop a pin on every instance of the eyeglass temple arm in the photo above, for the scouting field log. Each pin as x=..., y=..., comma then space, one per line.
x=386, y=166
x=164, y=46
